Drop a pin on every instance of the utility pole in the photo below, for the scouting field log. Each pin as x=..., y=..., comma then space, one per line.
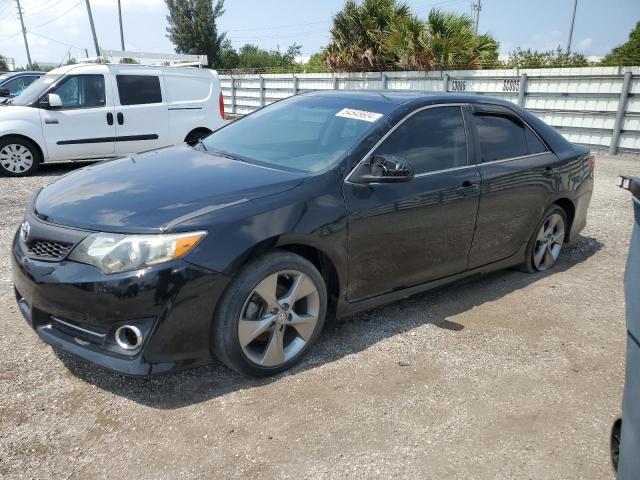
x=24, y=35
x=121, y=33
x=476, y=7
x=93, y=29
x=573, y=19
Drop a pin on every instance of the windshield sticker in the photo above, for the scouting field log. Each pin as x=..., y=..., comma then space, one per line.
x=359, y=114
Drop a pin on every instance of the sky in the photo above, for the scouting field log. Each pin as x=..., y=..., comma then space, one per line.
x=57, y=28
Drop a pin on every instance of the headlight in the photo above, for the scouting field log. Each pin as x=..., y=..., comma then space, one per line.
x=113, y=253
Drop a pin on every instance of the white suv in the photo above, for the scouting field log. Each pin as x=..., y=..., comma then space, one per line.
x=95, y=111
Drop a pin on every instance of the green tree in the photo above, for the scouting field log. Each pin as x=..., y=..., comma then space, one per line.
x=549, y=59
x=385, y=34
x=316, y=64
x=626, y=54
x=192, y=27
x=358, y=35
x=228, y=58
x=3, y=63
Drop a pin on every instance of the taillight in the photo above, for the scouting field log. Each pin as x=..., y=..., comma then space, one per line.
x=221, y=105
x=592, y=161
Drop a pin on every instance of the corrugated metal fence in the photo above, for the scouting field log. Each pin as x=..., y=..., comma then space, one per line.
x=598, y=107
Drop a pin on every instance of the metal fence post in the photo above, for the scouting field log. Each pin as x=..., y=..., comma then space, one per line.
x=233, y=95
x=522, y=89
x=445, y=82
x=295, y=85
x=262, y=92
x=335, y=82
x=385, y=80
x=622, y=107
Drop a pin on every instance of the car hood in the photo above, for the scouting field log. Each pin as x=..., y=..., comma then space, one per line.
x=155, y=191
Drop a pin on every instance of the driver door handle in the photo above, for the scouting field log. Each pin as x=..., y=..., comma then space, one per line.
x=109, y=118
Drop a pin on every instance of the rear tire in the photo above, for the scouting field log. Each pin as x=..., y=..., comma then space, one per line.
x=19, y=157
x=547, y=240
x=270, y=315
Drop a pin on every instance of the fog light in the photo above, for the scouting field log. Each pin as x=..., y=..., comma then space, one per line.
x=128, y=337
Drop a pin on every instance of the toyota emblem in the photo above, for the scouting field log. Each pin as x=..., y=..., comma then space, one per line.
x=25, y=228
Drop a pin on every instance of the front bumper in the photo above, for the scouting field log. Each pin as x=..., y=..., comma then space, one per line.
x=76, y=308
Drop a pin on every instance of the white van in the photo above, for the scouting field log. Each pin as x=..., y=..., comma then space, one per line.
x=96, y=111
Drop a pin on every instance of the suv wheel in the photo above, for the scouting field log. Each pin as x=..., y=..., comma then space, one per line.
x=270, y=315
x=18, y=157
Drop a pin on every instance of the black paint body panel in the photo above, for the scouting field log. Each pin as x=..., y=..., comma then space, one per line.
x=384, y=241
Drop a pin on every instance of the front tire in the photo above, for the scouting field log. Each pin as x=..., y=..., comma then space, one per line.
x=19, y=157
x=270, y=315
x=547, y=241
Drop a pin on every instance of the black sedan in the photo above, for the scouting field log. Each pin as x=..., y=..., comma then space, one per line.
x=314, y=207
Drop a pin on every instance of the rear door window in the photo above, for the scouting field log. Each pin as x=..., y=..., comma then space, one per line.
x=139, y=89
x=430, y=140
x=500, y=137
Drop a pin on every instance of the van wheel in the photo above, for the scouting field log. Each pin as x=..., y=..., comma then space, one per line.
x=547, y=241
x=19, y=157
x=270, y=315
x=194, y=135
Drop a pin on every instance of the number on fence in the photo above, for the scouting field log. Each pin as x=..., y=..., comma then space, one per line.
x=511, y=85
x=458, y=85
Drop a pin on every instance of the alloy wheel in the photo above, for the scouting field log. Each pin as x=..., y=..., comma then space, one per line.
x=279, y=318
x=16, y=158
x=549, y=242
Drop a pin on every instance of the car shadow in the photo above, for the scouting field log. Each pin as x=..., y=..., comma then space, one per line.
x=341, y=338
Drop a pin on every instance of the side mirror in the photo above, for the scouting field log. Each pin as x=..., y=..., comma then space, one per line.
x=54, y=100
x=5, y=92
x=387, y=169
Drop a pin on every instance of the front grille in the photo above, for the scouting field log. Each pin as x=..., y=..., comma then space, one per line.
x=49, y=250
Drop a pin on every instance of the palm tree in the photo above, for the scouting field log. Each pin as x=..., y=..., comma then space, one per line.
x=385, y=35
x=358, y=34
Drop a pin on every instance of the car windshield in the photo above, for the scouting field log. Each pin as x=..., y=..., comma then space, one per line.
x=35, y=90
x=303, y=133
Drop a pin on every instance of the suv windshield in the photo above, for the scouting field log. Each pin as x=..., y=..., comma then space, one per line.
x=300, y=133
x=33, y=91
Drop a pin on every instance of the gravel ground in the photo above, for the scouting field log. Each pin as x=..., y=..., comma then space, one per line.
x=509, y=376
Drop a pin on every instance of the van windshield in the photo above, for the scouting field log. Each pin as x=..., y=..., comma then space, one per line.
x=303, y=133
x=35, y=90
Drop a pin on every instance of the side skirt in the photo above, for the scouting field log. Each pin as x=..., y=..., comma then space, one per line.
x=346, y=308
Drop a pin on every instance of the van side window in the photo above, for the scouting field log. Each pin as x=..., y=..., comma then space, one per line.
x=81, y=91
x=430, y=140
x=500, y=137
x=138, y=89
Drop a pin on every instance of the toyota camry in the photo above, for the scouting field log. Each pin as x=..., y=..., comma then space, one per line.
x=315, y=207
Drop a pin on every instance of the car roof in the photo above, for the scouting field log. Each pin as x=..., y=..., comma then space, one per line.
x=27, y=72
x=402, y=97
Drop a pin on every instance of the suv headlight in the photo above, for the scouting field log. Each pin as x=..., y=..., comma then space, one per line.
x=114, y=253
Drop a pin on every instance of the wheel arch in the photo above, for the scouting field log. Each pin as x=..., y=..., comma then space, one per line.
x=29, y=139
x=196, y=133
x=328, y=267
x=570, y=211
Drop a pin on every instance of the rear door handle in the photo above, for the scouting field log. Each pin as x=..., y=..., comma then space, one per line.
x=110, y=118
x=51, y=121
x=120, y=118
x=466, y=187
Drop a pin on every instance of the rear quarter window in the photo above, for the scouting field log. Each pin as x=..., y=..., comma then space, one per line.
x=138, y=89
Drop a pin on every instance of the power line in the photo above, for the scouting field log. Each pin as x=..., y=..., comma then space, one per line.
x=48, y=6
x=59, y=16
